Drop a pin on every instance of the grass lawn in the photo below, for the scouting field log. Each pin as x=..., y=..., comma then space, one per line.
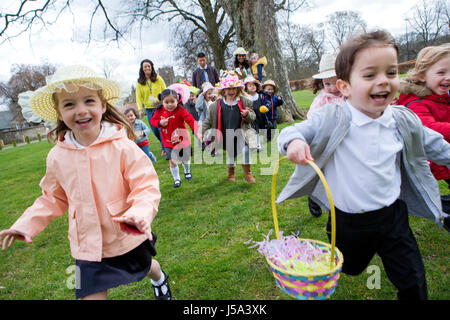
x=201, y=228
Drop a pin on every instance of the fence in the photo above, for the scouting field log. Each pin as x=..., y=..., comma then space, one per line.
x=307, y=83
x=20, y=135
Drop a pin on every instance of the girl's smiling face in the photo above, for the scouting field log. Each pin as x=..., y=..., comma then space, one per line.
x=82, y=113
x=230, y=93
x=131, y=117
x=251, y=87
x=437, y=77
x=209, y=95
x=270, y=89
x=170, y=103
x=329, y=85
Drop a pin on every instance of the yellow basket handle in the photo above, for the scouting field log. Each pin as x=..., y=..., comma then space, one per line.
x=332, y=210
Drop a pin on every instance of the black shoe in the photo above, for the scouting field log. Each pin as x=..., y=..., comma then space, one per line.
x=314, y=208
x=176, y=183
x=188, y=176
x=447, y=223
x=158, y=292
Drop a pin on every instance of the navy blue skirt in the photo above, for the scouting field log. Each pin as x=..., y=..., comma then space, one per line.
x=93, y=277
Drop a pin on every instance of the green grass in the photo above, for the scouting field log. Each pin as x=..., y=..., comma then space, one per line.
x=201, y=228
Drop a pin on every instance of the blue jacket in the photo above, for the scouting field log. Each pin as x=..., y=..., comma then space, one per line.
x=139, y=125
x=328, y=127
x=272, y=103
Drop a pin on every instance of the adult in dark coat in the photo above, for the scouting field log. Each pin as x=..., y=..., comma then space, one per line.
x=204, y=73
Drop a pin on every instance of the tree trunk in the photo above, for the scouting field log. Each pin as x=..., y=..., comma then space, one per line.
x=256, y=30
x=212, y=32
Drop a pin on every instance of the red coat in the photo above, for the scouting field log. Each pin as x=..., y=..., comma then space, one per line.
x=433, y=110
x=177, y=120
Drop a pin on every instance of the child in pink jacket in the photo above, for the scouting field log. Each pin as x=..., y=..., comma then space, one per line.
x=325, y=82
x=100, y=176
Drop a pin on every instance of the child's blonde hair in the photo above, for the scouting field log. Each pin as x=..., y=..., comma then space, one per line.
x=111, y=115
x=427, y=57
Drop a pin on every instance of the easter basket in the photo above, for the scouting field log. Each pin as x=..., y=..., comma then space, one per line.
x=317, y=285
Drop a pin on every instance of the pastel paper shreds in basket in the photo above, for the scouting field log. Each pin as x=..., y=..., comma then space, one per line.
x=301, y=267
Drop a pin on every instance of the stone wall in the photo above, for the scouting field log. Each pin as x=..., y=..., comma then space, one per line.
x=9, y=135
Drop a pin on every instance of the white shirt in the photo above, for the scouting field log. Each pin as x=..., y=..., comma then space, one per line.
x=364, y=171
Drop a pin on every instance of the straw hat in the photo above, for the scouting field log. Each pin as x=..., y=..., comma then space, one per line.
x=271, y=83
x=250, y=79
x=326, y=67
x=70, y=78
x=239, y=51
x=230, y=81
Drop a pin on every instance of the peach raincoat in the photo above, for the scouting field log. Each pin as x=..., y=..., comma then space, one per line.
x=109, y=178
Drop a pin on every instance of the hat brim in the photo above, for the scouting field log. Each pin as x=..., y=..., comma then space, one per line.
x=43, y=105
x=231, y=87
x=325, y=75
x=270, y=84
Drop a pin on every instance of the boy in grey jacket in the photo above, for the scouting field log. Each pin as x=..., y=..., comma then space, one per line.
x=374, y=157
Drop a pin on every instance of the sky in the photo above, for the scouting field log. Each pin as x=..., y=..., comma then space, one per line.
x=57, y=43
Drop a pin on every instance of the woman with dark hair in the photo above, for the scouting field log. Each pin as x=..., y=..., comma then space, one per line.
x=241, y=64
x=148, y=87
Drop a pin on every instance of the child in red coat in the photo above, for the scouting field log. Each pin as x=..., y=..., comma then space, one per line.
x=170, y=117
x=426, y=92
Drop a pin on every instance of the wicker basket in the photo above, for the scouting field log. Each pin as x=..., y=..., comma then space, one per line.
x=309, y=286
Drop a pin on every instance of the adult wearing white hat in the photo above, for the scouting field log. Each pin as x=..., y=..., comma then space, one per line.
x=241, y=63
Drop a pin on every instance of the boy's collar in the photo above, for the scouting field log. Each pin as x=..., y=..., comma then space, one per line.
x=360, y=119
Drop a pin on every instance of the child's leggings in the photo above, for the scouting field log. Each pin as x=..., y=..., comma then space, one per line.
x=231, y=157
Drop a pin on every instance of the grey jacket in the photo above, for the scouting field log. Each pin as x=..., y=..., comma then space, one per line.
x=201, y=107
x=324, y=132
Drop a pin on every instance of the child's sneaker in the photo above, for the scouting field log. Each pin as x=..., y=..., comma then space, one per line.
x=177, y=183
x=162, y=291
x=188, y=176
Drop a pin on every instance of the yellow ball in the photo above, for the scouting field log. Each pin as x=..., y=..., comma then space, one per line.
x=263, y=109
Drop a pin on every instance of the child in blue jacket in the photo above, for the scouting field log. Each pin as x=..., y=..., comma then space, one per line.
x=271, y=101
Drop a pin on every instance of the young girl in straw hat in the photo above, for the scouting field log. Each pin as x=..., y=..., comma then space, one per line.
x=271, y=100
x=231, y=116
x=252, y=88
x=100, y=176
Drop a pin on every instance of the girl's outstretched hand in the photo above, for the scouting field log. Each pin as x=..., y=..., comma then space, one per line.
x=7, y=237
x=298, y=152
x=139, y=223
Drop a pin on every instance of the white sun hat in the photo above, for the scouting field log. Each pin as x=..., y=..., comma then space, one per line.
x=326, y=67
x=70, y=78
